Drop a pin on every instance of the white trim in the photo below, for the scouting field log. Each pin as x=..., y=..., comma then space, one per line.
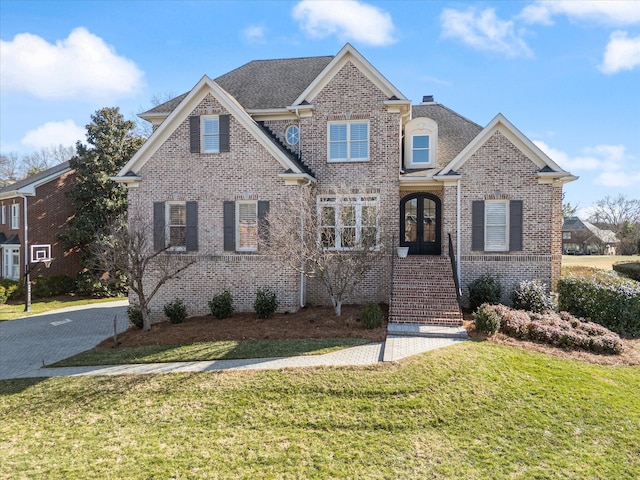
x=5, y=265
x=502, y=247
x=421, y=126
x=204, y=87
x=348, y=124
x=238, y=247
x=339, y=201
x=15, y=216
x=203, y=134
x=346, y=54
x=3, y=215
x=526, y=146
x=167, y=226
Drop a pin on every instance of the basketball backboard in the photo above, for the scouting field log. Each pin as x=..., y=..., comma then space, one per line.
x=41, y=254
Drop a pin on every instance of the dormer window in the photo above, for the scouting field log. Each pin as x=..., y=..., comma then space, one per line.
x=421, y=140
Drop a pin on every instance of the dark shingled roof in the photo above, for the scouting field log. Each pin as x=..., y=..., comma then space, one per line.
x=454, y=131
x=264, y=84
x=35, y=178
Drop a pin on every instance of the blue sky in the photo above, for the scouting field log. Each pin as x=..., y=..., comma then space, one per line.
x=567, y=74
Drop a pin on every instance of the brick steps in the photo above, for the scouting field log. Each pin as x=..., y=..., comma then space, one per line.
x=424, y=292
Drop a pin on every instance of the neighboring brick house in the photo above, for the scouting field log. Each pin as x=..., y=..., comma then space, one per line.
x=580, y=237
x=49, y=210
x=230, y=150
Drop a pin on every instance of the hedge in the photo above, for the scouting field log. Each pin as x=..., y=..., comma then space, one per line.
x=628, y=269
x=605, y=298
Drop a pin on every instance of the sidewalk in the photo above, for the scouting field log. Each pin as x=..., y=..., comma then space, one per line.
x=398, y=345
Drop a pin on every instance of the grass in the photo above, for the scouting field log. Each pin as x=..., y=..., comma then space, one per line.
x=15, y=310
x=597, y=261
x=473, y=411
x=210, y=351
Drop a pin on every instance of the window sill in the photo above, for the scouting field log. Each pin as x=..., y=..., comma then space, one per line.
x=358, y=160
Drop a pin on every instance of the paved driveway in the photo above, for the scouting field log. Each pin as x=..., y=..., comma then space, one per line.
x=28, y=343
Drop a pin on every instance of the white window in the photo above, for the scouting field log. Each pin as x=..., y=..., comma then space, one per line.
x=176, y=225
x=420, y=143
x=3, y=214
x=247, y=226
x=348, y=222
x=11, y=263
x=15, y=216
x=566, y=235
x=496, y=225
x=348, y=141
x=420, y=149
x=210, y=128
x=293, y=135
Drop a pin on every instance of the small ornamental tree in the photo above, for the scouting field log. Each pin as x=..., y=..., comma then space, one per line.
x=128, y=249
x=333, y=237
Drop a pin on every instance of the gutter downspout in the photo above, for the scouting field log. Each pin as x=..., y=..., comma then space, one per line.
x=458, y=234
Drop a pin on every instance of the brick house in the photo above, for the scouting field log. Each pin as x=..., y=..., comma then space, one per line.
x=580, y=237
x=230, y=150
x=48, y=212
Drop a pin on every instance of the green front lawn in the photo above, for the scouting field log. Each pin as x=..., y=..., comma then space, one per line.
x=14, y=310
x=472, y=411
x=206, y=351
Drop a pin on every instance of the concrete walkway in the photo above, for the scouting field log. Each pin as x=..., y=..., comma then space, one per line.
x=399, y=345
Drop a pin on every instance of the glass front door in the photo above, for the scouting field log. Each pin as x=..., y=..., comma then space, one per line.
x=11, y=263
x=420, y=224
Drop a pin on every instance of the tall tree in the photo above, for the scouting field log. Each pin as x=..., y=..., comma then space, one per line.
x=99, y=201
x=568, y=210
x=45, y=158
x=9, y=168
x=614, y=212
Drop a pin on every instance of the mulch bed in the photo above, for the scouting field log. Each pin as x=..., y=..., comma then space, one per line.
x=309, y=322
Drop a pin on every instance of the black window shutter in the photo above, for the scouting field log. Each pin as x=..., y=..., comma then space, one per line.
x=477, y=225
x=158, y=226
x=192, y=226
x=515, y=225
x=223, y=126
x=194, y=133
x=229, y=225
x=263, y=224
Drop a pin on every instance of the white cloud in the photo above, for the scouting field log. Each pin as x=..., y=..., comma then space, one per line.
x=610, y=12
x=611, y=164
x=347, y=19
x=254, y=34
x=484, y=31
x=82, y=65
x=65, y=133
x=622, y=53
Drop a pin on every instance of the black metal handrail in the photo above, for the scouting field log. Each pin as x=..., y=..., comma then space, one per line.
x=454, y=268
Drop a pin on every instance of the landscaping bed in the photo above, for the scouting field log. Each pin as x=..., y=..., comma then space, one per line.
x=309, y=322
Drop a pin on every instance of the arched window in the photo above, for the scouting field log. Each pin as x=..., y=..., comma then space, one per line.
x=421, y=142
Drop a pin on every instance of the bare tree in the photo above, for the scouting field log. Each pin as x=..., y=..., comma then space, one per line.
x=46, y=158
x=128, y=249
x=9, y=169
x=615, y=212
x=333, y=237
x=143, y=127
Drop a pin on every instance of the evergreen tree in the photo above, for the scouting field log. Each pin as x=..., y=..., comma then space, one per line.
x=98, y=200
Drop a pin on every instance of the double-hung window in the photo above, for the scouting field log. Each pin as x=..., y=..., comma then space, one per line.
x=348, y=222
x=496, y=225
x=420, y=149
x=348, y=141
x=210, y=130
x=15, y=216
x=247, y=226
x=176, y=226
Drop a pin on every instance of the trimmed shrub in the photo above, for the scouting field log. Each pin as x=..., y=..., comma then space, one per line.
x=89, y=285
x=176, y=311
x=605, y=298
x=557, y=329
x=135, y=316
x=486, y=319
x=52, y=286
x=266, y=303
x=630, y=270
x=484, y=289
x=12, y=290
x=371, y=315
x=221, y=305
x=532, y=295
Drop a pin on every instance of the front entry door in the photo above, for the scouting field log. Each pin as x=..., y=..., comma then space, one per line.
x=420, y=224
